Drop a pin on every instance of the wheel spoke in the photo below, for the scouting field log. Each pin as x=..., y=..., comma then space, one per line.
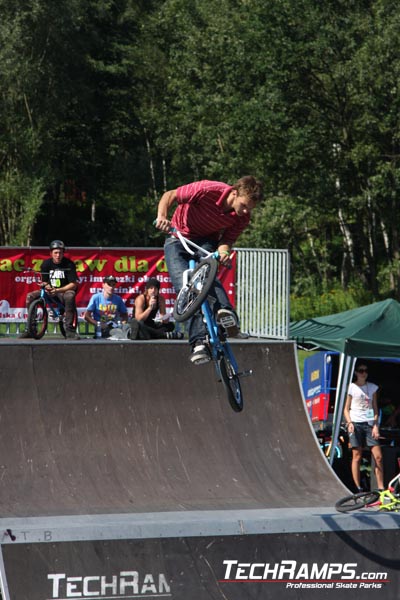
x=37, y=319
x=191, y=296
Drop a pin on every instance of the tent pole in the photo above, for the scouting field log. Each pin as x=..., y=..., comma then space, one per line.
x=346, y=366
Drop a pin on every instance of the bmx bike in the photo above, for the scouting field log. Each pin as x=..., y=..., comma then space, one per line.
x=43, y=306
x=385, y=500
x=325, y=442
x=193, y=296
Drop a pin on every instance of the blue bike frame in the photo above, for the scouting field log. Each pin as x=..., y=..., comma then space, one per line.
x=55, y=305
x=219, y=347
x=216, y=346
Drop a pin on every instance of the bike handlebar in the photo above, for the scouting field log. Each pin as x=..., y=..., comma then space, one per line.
x=36, y=276
x=186, y=243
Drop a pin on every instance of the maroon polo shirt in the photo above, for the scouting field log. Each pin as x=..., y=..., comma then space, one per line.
x=200, y=212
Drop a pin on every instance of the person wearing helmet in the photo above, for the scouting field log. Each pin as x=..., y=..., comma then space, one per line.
x=57, y=245
x=60, y=279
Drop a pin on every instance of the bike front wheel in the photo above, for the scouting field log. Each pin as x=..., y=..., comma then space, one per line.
x=37, y=319
x=192, y=295
x=231, y=383
x=356, y=501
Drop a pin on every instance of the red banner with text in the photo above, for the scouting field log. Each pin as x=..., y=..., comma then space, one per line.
x=131, y=266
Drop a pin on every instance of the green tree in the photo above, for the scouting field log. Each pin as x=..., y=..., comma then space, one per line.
x=107, y=103
x=20, y=199
x=21, y=184
x=69, y=120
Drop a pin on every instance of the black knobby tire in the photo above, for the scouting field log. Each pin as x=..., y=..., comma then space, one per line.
x=62, y=323
x=37, y=319
x=356, y=501
x=231, y=383
x=192, y=295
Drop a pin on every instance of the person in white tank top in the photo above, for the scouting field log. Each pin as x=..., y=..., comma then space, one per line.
x=361, y=415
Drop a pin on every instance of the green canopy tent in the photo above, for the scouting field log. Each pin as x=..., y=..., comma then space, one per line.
x=371, y=331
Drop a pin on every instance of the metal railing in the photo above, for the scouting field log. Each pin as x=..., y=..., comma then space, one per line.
x=262, y=288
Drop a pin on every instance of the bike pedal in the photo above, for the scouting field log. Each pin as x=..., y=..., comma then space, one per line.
x=245, y=373
x=227, y=321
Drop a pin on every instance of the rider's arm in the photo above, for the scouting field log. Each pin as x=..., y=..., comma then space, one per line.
x=88, y=316
x=45, y=277
x=71, y=278
x=61, y=290
x=65, y=288
x=92, y=310
x=224, y=251
x=48, y=287
x=165, y=203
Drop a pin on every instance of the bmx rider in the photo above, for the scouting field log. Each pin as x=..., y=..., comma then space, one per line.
x=212, y=214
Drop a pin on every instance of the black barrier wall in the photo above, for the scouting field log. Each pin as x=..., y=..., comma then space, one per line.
x=340, y=565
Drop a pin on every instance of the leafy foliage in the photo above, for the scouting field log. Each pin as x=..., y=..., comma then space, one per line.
x=20, y=199
x=105, y=104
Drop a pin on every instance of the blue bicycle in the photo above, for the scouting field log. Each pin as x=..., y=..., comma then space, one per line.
x=193, y=296
x=41, y=307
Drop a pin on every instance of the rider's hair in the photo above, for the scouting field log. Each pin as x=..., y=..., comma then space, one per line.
x=152, y=282
x=250, y=187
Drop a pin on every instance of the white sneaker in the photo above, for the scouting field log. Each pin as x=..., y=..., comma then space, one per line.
x=228, y=320
x=200, y=354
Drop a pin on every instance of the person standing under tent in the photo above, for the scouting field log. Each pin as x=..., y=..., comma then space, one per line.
x=362, y=419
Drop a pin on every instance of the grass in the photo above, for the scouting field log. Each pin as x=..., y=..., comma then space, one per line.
x=12, y=330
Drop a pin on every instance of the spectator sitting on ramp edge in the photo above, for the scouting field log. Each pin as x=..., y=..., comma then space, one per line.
x=106, y=308
x=148, y=306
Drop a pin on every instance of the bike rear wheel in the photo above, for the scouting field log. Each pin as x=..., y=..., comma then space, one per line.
x=356, y=501
x=231, y=383
x=192, y=295
x=37, y=319
x=62, y=323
